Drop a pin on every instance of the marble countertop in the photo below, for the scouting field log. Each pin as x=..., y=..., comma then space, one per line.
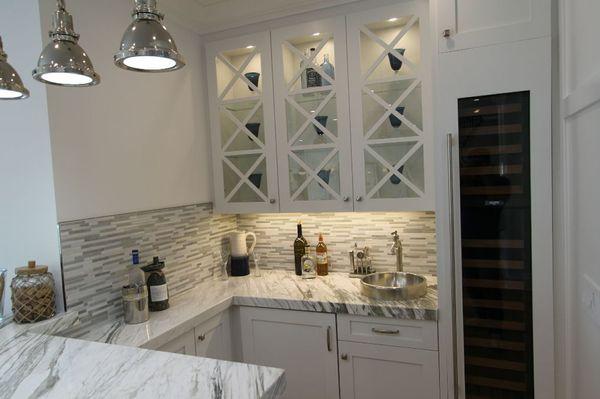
x=34, y=363
x=335, y=293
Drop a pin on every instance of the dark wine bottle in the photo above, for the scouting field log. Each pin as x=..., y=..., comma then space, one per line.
x=299, y=250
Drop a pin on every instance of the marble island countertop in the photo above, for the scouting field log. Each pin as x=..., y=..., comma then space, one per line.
x=34, y=363
x=335, y=293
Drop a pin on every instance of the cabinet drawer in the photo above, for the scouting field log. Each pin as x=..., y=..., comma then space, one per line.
x=379, y=330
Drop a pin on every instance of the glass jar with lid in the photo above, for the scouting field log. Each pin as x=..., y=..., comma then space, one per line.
x=32, y=294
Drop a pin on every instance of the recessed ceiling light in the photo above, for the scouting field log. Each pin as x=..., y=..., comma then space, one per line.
x=394, y=19
x=250, y=47
x=316, y=34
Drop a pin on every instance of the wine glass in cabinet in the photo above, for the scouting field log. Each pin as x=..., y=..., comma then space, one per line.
x=390, y=84
x=312, y=116
x=242, y=125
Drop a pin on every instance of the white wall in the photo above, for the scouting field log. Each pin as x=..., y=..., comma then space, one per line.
x=578, y=194
x=137, y=141
x=27, y=207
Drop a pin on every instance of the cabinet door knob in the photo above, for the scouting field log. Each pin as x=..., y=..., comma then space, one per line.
x=344, y=356
x=446, y=33
x=272, y=201
x=358, y=198
x=345, y=198
x=201, y=337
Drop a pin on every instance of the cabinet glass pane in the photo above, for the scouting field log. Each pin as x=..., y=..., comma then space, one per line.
x=311, y=117
x=238, y=74
x=241, y=125
x=392, y=108
x=495, y=203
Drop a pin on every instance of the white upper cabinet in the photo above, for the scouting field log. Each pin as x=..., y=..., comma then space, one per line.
x=466, y=24
x=390, y=102
x=242, y=125
x=311, y=107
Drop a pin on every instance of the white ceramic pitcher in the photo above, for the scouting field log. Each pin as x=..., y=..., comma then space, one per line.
x=239, y=244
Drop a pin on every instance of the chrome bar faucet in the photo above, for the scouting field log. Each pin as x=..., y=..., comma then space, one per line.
x=396, y=249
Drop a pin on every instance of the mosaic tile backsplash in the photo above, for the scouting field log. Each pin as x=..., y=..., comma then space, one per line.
x=276, y=233
x=193, y=240
x=96, y=253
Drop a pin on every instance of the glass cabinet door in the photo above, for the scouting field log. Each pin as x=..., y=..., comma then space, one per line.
x=242, y=126
x=391, y=118
x=311, y=104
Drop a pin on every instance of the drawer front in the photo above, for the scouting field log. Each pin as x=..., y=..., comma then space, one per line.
x=379, y=330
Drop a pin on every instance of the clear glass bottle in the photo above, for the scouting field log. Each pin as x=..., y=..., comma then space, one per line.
x=309, y=265
x=303, y=68
x=313, y=79
x=328, y=69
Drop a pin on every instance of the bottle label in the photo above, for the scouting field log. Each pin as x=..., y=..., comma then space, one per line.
x=159, y=293
x=322, y=258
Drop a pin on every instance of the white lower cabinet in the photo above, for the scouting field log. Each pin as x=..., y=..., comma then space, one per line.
x=211, y=338
x=379, y=371
x=184, y=344
x=302, y=343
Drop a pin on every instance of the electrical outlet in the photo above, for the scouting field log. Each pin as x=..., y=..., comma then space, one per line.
x=590, y=298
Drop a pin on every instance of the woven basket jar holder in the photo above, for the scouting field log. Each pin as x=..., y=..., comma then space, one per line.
x=32, y=294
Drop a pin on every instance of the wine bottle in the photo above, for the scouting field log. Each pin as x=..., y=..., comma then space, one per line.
x=299, y=249
x=322, y=261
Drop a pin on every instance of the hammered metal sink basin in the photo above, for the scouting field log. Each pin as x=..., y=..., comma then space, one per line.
x=393, y=285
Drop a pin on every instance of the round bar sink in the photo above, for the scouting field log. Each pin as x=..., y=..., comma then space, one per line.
x=393, y=285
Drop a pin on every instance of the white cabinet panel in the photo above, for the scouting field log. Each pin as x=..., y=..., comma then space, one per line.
x=476, y=23
x=391, y=112
x=184, y=344
x=378, y=371
x=385, y=331
x=213, y=338
x=242, y=126
x=311, y=105
x=301, y=343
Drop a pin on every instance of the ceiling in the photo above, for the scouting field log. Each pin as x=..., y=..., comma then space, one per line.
x=205, y=16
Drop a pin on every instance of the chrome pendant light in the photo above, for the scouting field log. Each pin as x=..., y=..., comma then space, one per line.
x=11, y=85
x=147, y=46
x=63, y=62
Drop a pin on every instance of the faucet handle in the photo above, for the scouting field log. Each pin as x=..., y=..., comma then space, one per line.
x=395, y=235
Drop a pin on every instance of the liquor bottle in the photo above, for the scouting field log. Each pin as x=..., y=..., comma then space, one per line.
x=136, y=275
x=308, y=265
x=328, y=69
x=299, y=249
x=313, y=79
x=322, y=261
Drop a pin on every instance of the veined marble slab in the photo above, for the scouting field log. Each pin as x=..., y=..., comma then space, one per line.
x=335, y=293
x=44, y=366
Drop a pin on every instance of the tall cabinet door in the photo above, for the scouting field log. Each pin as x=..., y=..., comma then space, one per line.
x=304, y=344
x=390, y=102
x=311, y=108
x=466, y=24
x=242, y=125
x=500, y=134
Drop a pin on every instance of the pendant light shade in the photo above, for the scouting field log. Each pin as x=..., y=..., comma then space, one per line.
x=63, y=62
x=11, y=85
x=147, y=46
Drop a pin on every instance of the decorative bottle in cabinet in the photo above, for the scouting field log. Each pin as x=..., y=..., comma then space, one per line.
x=328, y=68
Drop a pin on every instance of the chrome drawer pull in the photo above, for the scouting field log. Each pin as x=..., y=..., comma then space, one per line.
x=382, y=331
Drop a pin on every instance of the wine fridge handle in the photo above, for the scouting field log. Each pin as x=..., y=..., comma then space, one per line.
x=450, y=168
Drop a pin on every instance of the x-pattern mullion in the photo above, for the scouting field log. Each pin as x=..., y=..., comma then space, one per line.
x=389, y=48
x=244, y=178
x=238, y=73
x=391, y=109
x=311, y=118
x=314, y=175
x=309, y=62
x=393, y=170
x=241, y=126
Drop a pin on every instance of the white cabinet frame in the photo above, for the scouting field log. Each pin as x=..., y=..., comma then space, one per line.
x=262, y=45
x=418, y=10
x=340, y=145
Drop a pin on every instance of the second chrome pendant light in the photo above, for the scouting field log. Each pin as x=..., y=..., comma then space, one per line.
x=147, y=46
